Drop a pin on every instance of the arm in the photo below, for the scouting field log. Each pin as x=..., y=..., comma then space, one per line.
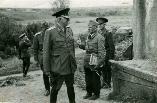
x=35, y=48
x=101, y=50
x=82, y=41
x=46, y=52
x=111, y=46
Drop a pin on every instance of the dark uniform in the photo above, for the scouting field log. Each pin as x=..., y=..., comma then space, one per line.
x=38, y=54
x=110, y=50
x=94, y=45
x=24, y=54
x=59, y=58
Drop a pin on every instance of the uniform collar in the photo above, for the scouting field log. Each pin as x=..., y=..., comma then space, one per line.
x=59, y=27
x=91, y=36
x=103, y=32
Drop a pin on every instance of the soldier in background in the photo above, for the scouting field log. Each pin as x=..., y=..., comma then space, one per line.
x=38, y=54
x=94, y=46
x=110, y=50
x=59, y=55
x=24, y=54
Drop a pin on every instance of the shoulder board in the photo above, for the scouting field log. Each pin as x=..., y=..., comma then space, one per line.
x=51, y=28
x=37, y=33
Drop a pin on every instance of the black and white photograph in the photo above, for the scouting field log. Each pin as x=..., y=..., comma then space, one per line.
x=78, y=51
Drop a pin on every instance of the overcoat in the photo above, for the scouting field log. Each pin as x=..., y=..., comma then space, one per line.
x=38, y=47
x=59, y=51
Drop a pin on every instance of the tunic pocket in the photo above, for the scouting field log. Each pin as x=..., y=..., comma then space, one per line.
x=56, y=62
x=59, y=42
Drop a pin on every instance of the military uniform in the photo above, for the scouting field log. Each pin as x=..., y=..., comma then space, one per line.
x=94, y=45
x=24, y=54
x=110, y=50
x=38, y=55
x=59, y=60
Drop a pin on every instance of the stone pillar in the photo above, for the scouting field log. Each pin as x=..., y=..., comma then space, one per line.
x=151, y=29
x=145, y=29
x=139, y=29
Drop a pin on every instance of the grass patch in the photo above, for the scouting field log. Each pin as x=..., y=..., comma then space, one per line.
x=14, y=66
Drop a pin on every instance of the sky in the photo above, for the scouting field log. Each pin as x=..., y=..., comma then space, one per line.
x=73, y=3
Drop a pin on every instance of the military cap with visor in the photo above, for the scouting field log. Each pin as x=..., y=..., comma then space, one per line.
x=62, y=12
x=101, y=20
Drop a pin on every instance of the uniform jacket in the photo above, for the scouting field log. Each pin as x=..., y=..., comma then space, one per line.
x=94, y=44
x=59, y=51
x=38, y=47
x=109, y=44
x=24, y=44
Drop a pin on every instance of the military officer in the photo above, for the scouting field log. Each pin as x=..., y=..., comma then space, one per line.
x=95, y=48
x=59, y=55
x=24, y=54
x=38, y=54
x=110, y=49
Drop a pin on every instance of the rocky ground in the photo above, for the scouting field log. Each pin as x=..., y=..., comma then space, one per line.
x=31, y=89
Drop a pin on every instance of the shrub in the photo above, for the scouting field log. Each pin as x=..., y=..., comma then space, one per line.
x=9, y=32
x=2, y=55
x=1, y=62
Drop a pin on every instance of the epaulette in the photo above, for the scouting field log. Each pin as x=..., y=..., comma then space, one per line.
x=51, y=28
x=37, y=33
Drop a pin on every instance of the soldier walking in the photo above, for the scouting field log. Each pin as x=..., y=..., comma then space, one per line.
x=38, y=54
x=59, y=55
x=93, y=60
x=24, y=54
x=110, y=49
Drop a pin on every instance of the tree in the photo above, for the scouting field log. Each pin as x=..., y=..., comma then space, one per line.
x=59, y=4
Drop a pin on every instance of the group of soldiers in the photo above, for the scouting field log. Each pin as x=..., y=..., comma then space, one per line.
x=54, y=50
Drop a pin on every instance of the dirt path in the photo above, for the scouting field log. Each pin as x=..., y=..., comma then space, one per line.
x=32, y=92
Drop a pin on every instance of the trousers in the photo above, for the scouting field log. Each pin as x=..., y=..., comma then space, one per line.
x=26, y=64
x=92, y=79
x=106, y=73
x=45, y=79
x=56, y=83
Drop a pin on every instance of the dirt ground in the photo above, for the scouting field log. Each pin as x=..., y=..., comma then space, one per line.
x=32, y=92
x=33, y=89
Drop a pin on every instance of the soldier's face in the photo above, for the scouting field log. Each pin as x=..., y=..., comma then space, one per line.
x=91, y=29
x=101, y=24
x=65, y=21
